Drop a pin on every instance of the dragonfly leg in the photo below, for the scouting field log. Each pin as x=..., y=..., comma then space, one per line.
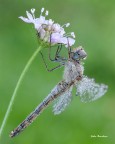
x=69, y=48
x=57, y=57
x=50, y=70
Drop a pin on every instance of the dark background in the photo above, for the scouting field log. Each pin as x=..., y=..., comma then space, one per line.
x=93, y=22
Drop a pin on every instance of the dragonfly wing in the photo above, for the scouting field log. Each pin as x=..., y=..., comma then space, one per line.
x=88, y=90
x=62, y=102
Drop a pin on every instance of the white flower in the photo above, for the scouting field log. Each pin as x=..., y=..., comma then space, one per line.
x=49, y=31
x=67, y=41
x=58, y=38
x=72, y=34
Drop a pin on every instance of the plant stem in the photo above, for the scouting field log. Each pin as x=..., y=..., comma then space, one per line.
x=16, y=89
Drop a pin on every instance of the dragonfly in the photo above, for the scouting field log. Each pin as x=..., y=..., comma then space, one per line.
x=86, y=88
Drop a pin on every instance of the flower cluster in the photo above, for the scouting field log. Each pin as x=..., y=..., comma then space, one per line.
x=48, y=31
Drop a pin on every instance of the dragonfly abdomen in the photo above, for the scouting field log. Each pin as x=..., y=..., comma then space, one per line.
x=57, y=91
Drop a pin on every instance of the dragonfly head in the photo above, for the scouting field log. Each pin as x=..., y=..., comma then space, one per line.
x=79, y=53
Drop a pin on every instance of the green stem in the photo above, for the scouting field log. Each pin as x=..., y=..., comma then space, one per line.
x=17, y=87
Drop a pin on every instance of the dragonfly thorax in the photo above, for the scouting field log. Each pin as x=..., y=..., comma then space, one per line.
x=73, y=70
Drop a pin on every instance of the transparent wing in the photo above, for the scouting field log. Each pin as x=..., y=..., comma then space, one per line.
x=62, y=102
x=88, y=90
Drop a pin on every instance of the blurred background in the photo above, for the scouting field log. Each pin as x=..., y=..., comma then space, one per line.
x=94, y=25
